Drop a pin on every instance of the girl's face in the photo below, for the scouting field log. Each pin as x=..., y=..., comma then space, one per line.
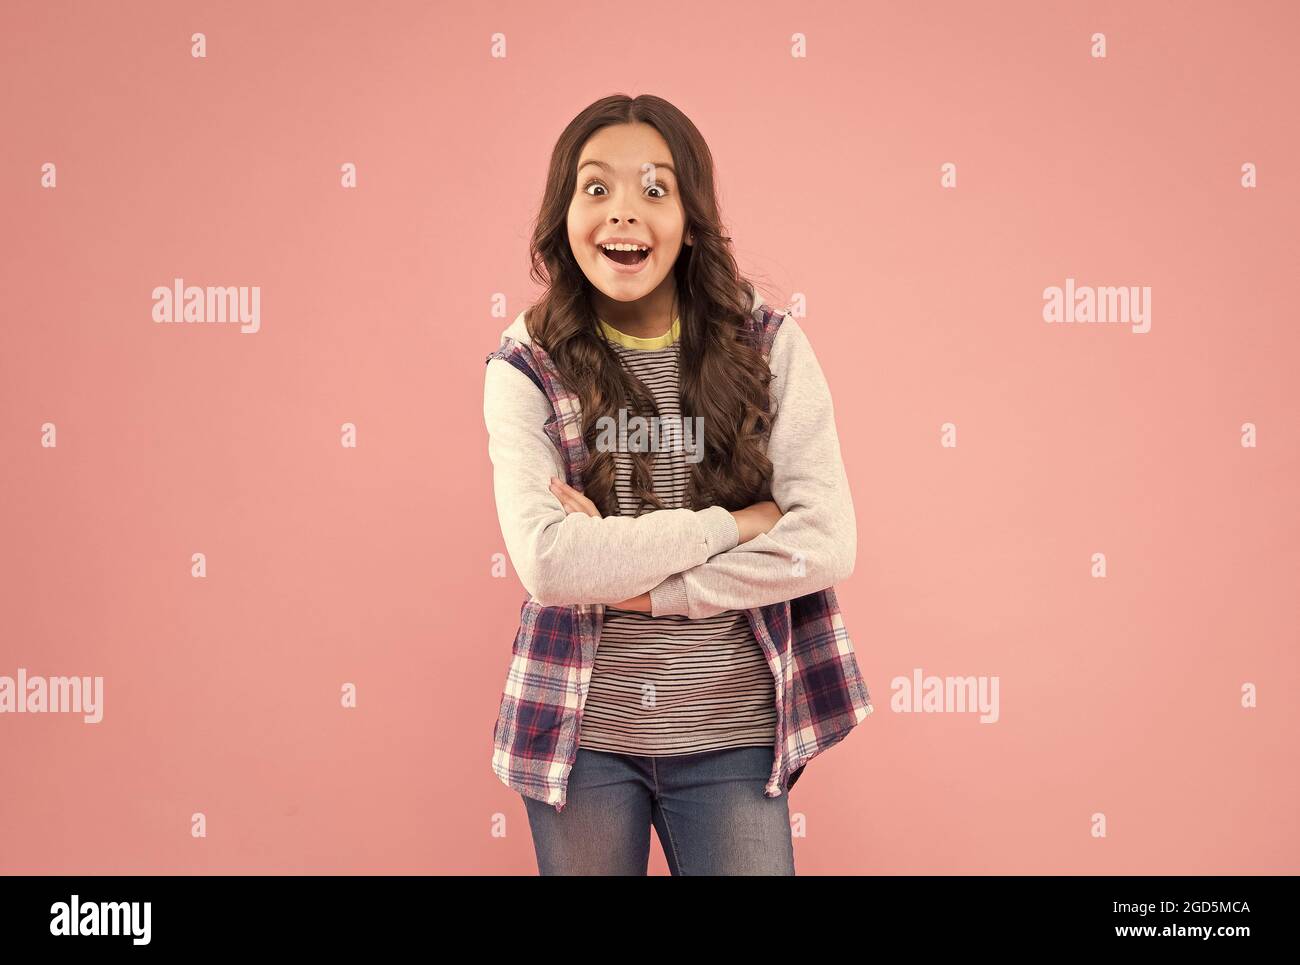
x=627, y=190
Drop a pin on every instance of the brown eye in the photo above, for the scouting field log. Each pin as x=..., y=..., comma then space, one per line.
x=654, y=187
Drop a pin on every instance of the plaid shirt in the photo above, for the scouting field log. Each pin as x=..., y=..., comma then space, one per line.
x=820, y=695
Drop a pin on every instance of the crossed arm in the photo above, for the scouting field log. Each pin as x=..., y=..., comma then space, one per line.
x=566, y=557
x=677, y=561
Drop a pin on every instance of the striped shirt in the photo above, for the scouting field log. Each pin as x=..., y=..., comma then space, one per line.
x=573, y=566
x=672, y=684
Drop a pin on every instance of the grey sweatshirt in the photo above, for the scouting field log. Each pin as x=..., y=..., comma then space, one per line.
x=689, y=561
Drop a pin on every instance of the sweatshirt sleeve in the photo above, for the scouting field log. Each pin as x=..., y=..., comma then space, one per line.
x=567, y=558
x=814, y=544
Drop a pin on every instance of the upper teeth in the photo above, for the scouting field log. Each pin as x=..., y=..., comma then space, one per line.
x=622, y=247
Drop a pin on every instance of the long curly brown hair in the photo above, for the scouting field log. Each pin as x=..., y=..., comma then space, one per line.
x=723, y=376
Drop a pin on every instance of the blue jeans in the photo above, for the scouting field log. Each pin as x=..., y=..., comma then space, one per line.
x=707, y=808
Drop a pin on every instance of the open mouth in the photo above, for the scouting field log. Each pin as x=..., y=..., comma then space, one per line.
x=625, y=257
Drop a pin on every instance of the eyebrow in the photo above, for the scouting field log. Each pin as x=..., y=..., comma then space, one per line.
x=609, y=168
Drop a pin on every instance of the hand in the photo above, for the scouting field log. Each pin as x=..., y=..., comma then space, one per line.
x=640, y=603
x=757, y=519
x=572, y=500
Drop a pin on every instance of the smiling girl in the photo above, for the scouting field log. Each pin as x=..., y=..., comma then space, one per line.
x=681, y=655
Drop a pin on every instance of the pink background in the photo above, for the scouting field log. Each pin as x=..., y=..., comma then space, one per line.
x=372, y=565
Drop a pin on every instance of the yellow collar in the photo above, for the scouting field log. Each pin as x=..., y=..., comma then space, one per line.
x=633, y=341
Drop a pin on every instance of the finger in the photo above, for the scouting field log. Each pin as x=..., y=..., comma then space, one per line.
x=565, y=491
x=571, y=500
